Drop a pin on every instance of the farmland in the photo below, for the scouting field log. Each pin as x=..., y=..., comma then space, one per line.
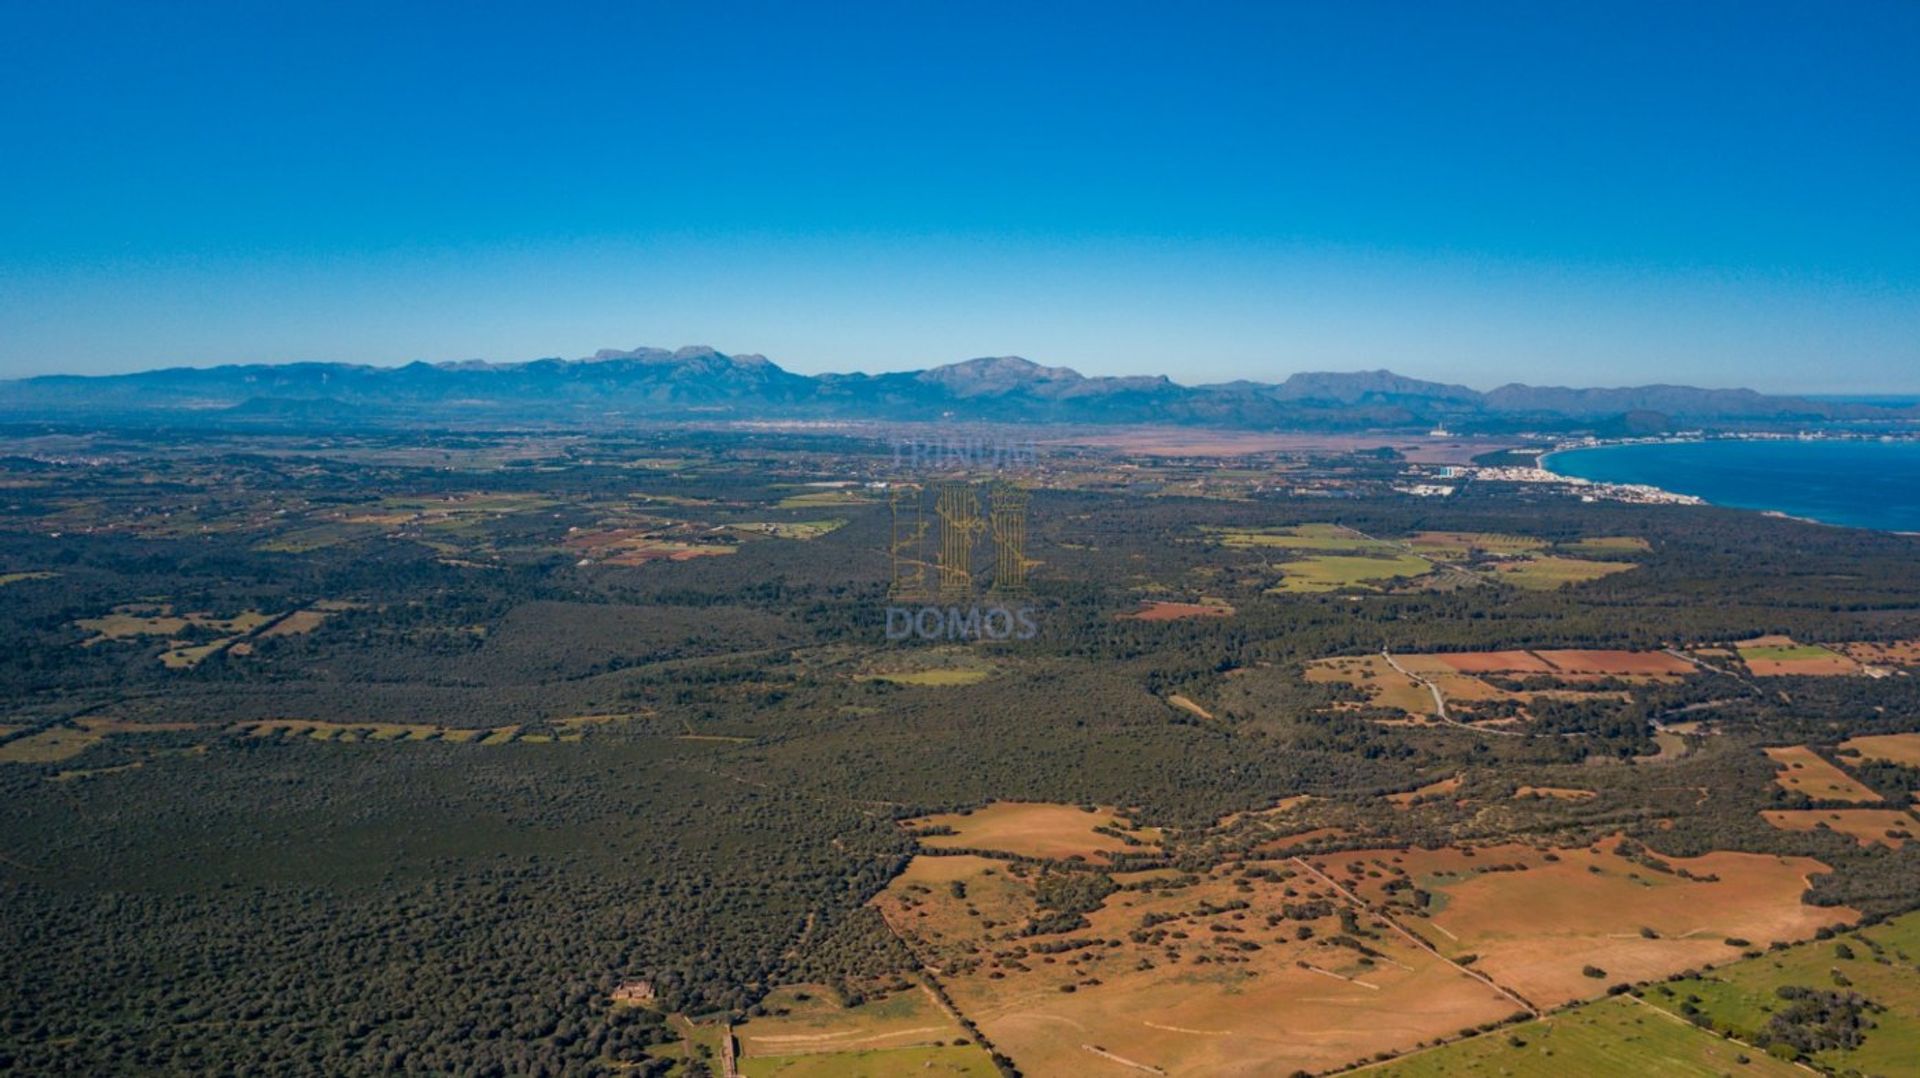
x=1502, y=686
x=1161, y=610
x=1208, y=986
x=1549, y=572
x=807, y=1031
x=1328, y=557
x=1892, y=748
x=1537, y=924
x=1889, y=827
x=1299, y=963
x=1804, y=771
x=1330, y=572
x=1594, y=1040
x=1778, y=656
x=1899, y=653
x=1877, y=963
x=1034, y=830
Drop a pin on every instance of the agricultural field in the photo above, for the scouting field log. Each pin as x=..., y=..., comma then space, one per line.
x=18, y=578
x=1332, y=572
x=298, y=623
x=1558, y=793
x=965, y=1061
x=1459, y=545
x=930, y=668
x=1804, y=771
x=1548, y=572
x=826, y=499
x=1540, y=921
x=1330, y=556
x=1207, y=978
x=1870, y=972
x=1770, y=656
x=1497, y=686
x=1888, y=827
x=1900, y=653
x=1374, y=677
x=1438, y=789
x=1522, y=560
x=638, y=546
x=1609, y=544
x=936, y=677
x=133, y=621
x=158, y=619
x=794, y=529
x=1892, y=748
x=1616, y=663
x=352, y=732
x=1315, y=538
x=1299, y=963
x=1160, y=610
x=1603, y=1039
x=48, y=746
x=806, y=1031
x=1029, y=829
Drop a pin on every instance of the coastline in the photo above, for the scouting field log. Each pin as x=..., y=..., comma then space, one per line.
x=1545, y=462
x=1542, y=462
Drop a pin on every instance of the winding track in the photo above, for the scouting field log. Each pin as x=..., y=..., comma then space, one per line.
x=1440, y=701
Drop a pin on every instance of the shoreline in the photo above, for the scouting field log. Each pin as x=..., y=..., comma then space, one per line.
x=1543, y=462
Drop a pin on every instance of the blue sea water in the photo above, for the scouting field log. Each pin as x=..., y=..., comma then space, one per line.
x=1861, y=484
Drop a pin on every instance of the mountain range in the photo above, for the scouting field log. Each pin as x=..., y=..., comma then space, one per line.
x=614, y=386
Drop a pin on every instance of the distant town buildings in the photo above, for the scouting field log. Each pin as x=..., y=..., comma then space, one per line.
x=1636, y=493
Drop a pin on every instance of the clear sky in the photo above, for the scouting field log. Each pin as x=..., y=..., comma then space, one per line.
x=1565, y=193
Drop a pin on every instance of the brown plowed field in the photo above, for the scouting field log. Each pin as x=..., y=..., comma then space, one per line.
x=1577, y=661
x=1495, y=662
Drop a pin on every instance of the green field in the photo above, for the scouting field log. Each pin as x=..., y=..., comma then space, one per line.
x=1546, y=572
x=1601, y=1039
x=1609, y=544
x=1786, y=653
x=1327, y=572
x=1739, y=998
x=1462, y=544
x=1324, y=537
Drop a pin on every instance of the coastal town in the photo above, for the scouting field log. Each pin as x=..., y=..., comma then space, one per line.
x=1586, y=489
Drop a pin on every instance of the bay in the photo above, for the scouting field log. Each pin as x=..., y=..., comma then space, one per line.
x=1861, y=484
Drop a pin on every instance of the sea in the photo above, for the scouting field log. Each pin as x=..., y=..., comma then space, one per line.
x=1855, y=483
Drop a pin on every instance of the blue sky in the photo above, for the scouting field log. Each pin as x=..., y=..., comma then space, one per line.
x=1720, y=194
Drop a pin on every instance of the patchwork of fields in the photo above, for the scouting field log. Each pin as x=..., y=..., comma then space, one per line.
x=1330, y=557
x=1067, y=960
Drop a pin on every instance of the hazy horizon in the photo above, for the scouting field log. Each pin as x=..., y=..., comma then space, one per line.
x=1276, y=377
x=1715, y=194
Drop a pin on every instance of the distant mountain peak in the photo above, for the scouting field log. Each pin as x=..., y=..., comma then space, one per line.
x=1350, y=386
x=692, y=353
x=990, y=376
x=618, y=385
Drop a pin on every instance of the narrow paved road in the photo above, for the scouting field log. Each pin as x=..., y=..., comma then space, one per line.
x=1440, y=701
